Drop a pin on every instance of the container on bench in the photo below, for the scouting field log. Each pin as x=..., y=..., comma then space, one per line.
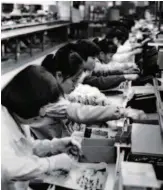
x=98, y=150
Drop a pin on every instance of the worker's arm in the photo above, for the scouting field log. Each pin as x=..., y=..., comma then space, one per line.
x=82, y=113
x=28, y=167
x=122, y=57
x=23, y=168
x=114, y=67
x=89, y=114
x=96, y=114
x=46, y=147
x=104, y=82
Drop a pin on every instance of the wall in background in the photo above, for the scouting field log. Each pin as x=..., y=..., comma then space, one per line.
x=64, y=8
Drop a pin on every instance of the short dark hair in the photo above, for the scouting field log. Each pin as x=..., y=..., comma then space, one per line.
x=86, y=48
x=129, y=23
x=48, y=62
x=29, y=90
x=120, y=35
x=65, y=60
x=112, y=49
x=96, y=41
x=105, y=46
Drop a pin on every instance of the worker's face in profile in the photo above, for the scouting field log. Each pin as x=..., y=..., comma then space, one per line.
x=105, y=57
x=132, y=38
x=102, y=57
x=90, y=63
x=108, y=57
x=68, y=84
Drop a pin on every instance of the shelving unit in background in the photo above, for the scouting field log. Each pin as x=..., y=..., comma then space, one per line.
x=33, y=26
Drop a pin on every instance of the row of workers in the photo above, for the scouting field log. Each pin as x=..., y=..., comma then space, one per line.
x=35, y=107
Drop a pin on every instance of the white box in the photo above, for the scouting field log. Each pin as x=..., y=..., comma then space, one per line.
x=138, y=175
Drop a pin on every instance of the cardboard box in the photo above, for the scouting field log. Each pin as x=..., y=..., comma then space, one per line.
x=98, y=150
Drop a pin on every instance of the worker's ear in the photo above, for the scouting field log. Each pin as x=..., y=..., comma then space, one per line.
x=115, y=40
x=102, y=56
x=59, y=76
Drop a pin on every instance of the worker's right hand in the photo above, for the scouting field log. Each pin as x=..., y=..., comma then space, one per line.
x=136, y=45
x=60, y=162
x=137, y=51
x=131, y=77
x=145, y=41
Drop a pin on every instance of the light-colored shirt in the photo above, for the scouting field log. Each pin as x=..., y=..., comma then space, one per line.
x=113, y=66
x=76, y=15
x=18, y=163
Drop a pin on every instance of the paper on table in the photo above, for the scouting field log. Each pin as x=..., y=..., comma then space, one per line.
x=70, y=181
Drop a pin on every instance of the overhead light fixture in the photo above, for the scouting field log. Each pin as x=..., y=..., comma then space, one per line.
x=110, y=3
x=118, y=3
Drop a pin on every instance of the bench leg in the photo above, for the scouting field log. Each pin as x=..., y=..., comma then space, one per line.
x=17, y=50
x=42, y=41
x=30, y=45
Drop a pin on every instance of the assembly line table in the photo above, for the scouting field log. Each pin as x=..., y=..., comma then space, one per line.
x=19, y=33
x=5, y=35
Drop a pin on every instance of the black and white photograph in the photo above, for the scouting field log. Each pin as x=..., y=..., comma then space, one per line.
x=81, y=95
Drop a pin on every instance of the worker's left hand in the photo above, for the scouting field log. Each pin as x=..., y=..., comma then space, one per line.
x=134, y=114
x=68, y=145
x=145, y=41
x=138, y=51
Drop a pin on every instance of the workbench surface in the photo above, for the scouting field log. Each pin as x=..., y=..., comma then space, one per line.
x=28, y=30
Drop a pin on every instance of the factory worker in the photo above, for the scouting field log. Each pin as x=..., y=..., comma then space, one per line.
x=106, y=50
x=85, y=114
x=89, y=51
x=105, y=56
x=149, y=55
x=35, y=87
x=24, y=159
x=124, y=52
x=43, y=99
x=129, y=23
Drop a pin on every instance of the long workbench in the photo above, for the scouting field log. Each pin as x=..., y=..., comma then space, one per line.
x=55, y=31
x=26, y=30
x=23, y=25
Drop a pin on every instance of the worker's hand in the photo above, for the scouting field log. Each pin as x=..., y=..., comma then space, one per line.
x=129, y=94
x=131, y=77
x=67, y=145
x=60, y=162
x=145, y=41
x=136, y=45
x=137, y=51
x=131, y=65
x=134, y=114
